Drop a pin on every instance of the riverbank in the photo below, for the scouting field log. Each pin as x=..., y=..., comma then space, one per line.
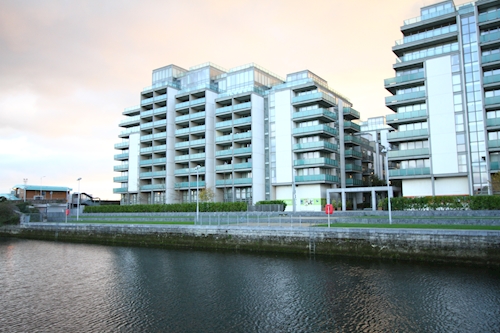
x=460, y=246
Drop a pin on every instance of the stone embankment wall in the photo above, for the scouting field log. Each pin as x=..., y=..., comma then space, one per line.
x=464, y=246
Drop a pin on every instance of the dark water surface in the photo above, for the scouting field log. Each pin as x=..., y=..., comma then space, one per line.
x=60, y=287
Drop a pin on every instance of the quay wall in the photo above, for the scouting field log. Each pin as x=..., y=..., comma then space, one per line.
x=461, y=246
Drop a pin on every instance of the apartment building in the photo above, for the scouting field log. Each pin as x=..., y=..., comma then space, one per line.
x=446, y=99
x=246, y=134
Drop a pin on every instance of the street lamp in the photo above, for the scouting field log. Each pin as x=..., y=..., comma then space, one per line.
x=41, y=185
x=386, y=151
x=25, y=180
x=78, y=202
x=197, y=196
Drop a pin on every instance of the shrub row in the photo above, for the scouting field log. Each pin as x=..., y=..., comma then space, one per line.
x=272, y=202
x=490, y=202
x=170, y=208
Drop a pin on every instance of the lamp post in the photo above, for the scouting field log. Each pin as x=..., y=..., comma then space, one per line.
x=41, y=185
x=197, y=195
x=78, y=202
x=386, y=151
x=25, y=180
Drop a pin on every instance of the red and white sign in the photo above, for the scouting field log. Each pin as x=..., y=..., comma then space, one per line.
x=329, y=209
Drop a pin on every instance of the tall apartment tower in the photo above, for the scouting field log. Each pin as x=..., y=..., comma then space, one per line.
x=246, y=134
x=446, y=95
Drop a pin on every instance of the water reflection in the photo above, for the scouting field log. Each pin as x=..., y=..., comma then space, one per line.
x=87, y=288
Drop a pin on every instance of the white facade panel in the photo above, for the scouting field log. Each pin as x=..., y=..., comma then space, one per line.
x=170, y=196
x=452, y=186
x=133, y=162
x=210, y=139
x=258, y=149
x=440, y=108
x=283, y=111
x=417, y=187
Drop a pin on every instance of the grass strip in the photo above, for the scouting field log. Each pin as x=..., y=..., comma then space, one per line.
x=412, y=226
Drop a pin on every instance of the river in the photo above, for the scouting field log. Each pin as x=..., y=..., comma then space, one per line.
x=64, y=287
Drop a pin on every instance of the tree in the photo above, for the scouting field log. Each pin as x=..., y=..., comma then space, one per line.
x=495, y=182
x=206, y=194
x=8, y=213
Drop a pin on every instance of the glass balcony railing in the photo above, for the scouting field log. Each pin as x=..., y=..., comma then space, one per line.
x=237, y=151
x=429, y=16
x=239, y=166
x=222, y=124
x=490, y=16
x=313, y=97
x=352, y=112
x=243, y=181
x=153, y=161
x=190, y=103
x=491, y=79
x=350, y=125
x=120, y=190
x=132, y=109
x=121, y=167
x=147, y=101
x=242, y=136
x=404, y=97
x=324, y=161
x=189, y=157
x=188, y=130
x=317, y=178
x=160, y=148
x=314, y=114
x=492, y=122
x=224, y=138
x=403, y=79
x=409, y=172
x=492, y=100
x=354, y=182
x=493, y=143
x=153, y=187
x=120, y=179
x=495, y=165
x=198, y=184
x=353, y=153
x=353, y=168
x=122, y=156
x=122, y=145
x=242, y=121
x=145, y=126
x=309, y=130
x=160, y=98
x=189, y=171
x=317, y=145
x=130, y=120
x=491, y=37
x=406, y=115
x=352, y=139
x=490, y=58
x=234, y=181
x=148, y=113
x=408, y=134
x=129, y=131
x=408, y=153
x=152, y=174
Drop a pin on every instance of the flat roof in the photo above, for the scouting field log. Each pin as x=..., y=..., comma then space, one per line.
x=43, y=188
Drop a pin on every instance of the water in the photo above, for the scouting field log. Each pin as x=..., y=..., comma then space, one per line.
x=60, y=287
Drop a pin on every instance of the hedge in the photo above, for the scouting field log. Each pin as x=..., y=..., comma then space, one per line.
x=272, y=202
x=479, y=202
x=170, y=208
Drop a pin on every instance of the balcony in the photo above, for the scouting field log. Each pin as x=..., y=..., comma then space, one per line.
x=314, y=98
x=408, y=135
x=224, y=138
x=234, y=181
x=350, y=113
x=190, y=157
x=235, y=166
x=351, y=127
x=406, y=117
x=242, y=121
x=224, y=124
x=352, y=139
x=314, y=146
x=353, y=168
x=152, y=174
x=186, y=185
x=315, y=162
x=321, y=178
x=121, y=167
x=493, y=122
x=491, y=101
x=490, y=16
x=237, y=151
x=403, y=79
x=130, y=121
x=189, y=171
x=120, y=179
x=396, y=99
x=322, y=114
x=192, y=103
x=233, y=108
x=324, y=130
x=122, y=156
x=409, y=172
x=490, y=58
x=187, y=117
x=494, y=166
x=150, y=187
x=242, y=136
x=147, y=101
x=188, y=130
x=126, y=133
x=409, y=153
x=120, y=190
x=132, y=111
x=153, y=161
x=122, y=145
x=490, y=38
x=493, y=144
x=351, y=153
x=354, y=182
x=491, y=80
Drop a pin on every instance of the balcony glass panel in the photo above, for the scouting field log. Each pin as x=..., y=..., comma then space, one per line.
x=409, y=172
x=408, y=134
x=408, y=152
x=190, y=157
x=122, y=156
x=406, y=115
x=313, y=97
x=494, y=36
x=153, y=187
x=353, y=153
x=317, y=178
x=222, y=124
x=190, y=103
x=145, y=114
x=353, y=167
x=350, y=124
x=120, y=190
x=354, y=182
x=160, y=148
x=315, y=113
x=315, y=129
x=492, y=100
x=403, y=78
x=122, y=145
x=404, y=97
x=490, y=58
x=246, y=120
x=130, y=120
x=120, y=179
x=351, y=111
x=152, y=174
x=493, y=122
x=352, y=139
x=121, y=167
x=240, y=136
x=490, y=16
x=242, y=181
x=494, y=165
x=316, y=161
x=153, y=161
x=317, y=145
x=146, y=125
x=491, y=79
x=224, y=138
x=493, y=143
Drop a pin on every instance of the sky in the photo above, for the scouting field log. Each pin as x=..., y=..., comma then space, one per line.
x=69, y=68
